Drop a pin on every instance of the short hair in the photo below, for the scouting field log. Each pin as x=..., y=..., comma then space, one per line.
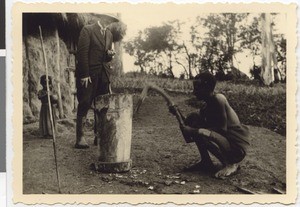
x=206, y=80
x=43, y=80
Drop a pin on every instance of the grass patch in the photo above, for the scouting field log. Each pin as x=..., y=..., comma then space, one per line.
x=255, y=105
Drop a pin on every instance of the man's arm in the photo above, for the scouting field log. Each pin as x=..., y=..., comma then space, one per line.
x=83, y=54
x=220, y=105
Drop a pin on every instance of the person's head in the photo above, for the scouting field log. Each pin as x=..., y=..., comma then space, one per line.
x=204, y=85
x=44, y=83
x=98, y=18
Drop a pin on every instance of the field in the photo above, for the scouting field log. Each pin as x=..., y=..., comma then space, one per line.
x=255, y=105
x=159, y=152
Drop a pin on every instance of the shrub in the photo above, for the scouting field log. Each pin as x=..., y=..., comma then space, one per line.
x=255, y=105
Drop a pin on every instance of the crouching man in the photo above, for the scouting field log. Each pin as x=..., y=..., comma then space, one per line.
x=215, y=129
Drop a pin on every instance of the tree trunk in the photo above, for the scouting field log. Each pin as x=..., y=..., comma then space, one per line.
x=190, y=69
x=60, y=107
x=117, y=61
x=170, y=65
x=190, y=59
x=267, y=72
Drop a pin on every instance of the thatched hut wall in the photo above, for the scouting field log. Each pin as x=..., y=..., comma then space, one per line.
x=68, y=26
x=34, y=68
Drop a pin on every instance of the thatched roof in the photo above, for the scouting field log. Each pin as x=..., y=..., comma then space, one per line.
x=69, y=25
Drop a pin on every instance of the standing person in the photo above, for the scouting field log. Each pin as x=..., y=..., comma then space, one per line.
x=92, y=72
x=216, y=129
x=45, y=122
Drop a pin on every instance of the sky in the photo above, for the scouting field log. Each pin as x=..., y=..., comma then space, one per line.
x=140, y=19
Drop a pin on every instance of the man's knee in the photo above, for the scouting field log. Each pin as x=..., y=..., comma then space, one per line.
x=194, y=120
x=236, y=155
x=83, y=107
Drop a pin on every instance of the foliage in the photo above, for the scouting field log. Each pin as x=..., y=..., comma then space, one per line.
x=259, y=106
x=250, y=36
x=118, y=30
x=153, y=46
x=255, y=105
x=212, y=44
x=220, y=41
x=137, y=48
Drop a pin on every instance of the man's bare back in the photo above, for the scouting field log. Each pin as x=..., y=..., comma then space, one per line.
x=219, y=113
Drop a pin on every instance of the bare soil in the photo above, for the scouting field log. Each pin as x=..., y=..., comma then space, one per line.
x=159, y=154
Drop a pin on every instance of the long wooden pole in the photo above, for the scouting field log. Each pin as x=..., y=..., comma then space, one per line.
x=60, y=108
x=50, y=110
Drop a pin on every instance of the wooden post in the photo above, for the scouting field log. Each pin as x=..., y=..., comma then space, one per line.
x=114, y=130
x=60, y=107
x=50, y=109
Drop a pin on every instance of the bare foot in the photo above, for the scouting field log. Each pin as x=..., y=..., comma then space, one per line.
x=200, y=166
x=81, y=144
x=227, y=171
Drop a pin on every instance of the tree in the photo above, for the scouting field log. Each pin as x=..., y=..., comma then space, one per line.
x=268, y=51
x=252, y=37
x=163, y=40
x=219, y=44
x=155, y=45
x=136, y=47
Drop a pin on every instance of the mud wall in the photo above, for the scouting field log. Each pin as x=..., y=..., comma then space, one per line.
x=34, y=67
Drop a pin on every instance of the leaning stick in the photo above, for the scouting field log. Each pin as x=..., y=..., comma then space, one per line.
x=50, y=109
x=278, y=191
x=60, y=107
x=246, y=191
x=178, y=114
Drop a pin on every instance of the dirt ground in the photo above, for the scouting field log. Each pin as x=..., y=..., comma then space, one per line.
x=159, y=153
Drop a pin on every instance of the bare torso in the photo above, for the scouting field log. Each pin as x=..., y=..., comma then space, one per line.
x=219, y=113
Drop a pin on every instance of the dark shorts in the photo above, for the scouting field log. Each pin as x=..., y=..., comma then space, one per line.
x=236, y=154
x=238, y=137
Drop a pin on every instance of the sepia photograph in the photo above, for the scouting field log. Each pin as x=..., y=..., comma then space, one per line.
x=156, y=99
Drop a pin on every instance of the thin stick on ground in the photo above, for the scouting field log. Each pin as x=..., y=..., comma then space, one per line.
x=50, y=110
x=247, y=191
x=89, y=189
x=278, y=191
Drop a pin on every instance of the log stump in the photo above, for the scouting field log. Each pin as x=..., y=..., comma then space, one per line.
x=113, y=132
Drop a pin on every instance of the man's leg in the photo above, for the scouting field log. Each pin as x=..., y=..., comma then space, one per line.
x=194, y=120
x=84, y=96
x=205, y=163
x=80, y=140
x=219, y=146
x=96, y=131
x=101, y=88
